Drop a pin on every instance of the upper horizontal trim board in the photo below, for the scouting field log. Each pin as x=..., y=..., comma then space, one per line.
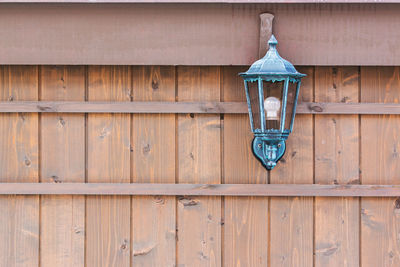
x=188, y=107
x=197, y=34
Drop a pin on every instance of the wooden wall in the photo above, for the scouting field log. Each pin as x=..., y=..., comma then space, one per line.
x=49, y=231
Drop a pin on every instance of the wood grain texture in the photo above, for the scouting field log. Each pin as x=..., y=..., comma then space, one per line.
x=153, y=161
x=215, y=34
x=209, y=107
x=140, y=148
x=199, y=161
x=292, y=218
x=108, y=217
x=246, y=218
x=158, y=189
x=62, y=227
x=380, y=164
x=19, y=162
x=337, y=162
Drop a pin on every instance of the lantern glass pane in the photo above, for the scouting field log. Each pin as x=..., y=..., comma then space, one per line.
x=291, y=97
x=272, y=104
x=255, y=104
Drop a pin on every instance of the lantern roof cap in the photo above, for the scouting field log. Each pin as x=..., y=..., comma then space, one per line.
x=272, y=64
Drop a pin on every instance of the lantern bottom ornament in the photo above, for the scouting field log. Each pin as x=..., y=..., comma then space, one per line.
x=268, y=151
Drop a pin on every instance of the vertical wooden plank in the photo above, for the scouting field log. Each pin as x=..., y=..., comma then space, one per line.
x=19, y=161
x=199, y=218
x=62, y=228
x=246, y=218
x=336, y=162
x=108, y=217
x=153, y=161
x=292, y=217
x=380, y=163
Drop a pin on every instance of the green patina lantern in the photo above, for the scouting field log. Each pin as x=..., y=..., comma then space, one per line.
x=272, y=87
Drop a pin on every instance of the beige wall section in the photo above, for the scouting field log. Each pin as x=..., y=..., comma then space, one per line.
x=197, y=34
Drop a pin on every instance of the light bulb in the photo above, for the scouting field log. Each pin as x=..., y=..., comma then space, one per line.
x=272, y=106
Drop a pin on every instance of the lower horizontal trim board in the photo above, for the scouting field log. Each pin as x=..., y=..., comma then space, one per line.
x=279, y=190
x=188, y=107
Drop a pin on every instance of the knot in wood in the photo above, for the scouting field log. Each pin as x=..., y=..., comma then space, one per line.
x=45, y=108
x=315, y=108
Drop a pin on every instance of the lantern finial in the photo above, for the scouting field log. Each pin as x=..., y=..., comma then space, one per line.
x=272, y=64
x=272, y=41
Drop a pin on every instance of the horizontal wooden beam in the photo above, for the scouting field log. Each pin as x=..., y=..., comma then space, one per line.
x=189, y=107
x=278, y=190
x=215, y=34
x=348, y=108
x=123, y=107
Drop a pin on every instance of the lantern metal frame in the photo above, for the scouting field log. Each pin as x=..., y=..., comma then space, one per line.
x=269, y=144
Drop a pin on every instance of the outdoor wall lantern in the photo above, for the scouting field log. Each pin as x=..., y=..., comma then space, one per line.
x=272, y=87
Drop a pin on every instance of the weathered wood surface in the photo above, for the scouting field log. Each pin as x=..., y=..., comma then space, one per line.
x=62, y=155
x=182, y=189
x=380, y=164
x=211, y=107
x=245, y=226
x=199, y=161
x=153, y=161
x=215, y=34
x=19, y=162
x=292, y=217
x=337, y=162
x=226, y=213
x=145, y=106
x=108, y=237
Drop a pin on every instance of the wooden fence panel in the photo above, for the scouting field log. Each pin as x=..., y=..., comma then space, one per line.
x=292, y=217
x=245, y=230
x=153, y=161
x=199, y=160
x=338, y=150
x=108, y=217
x=380, y=164
x=19, y=162
x=336, y=162
x=62, y=159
